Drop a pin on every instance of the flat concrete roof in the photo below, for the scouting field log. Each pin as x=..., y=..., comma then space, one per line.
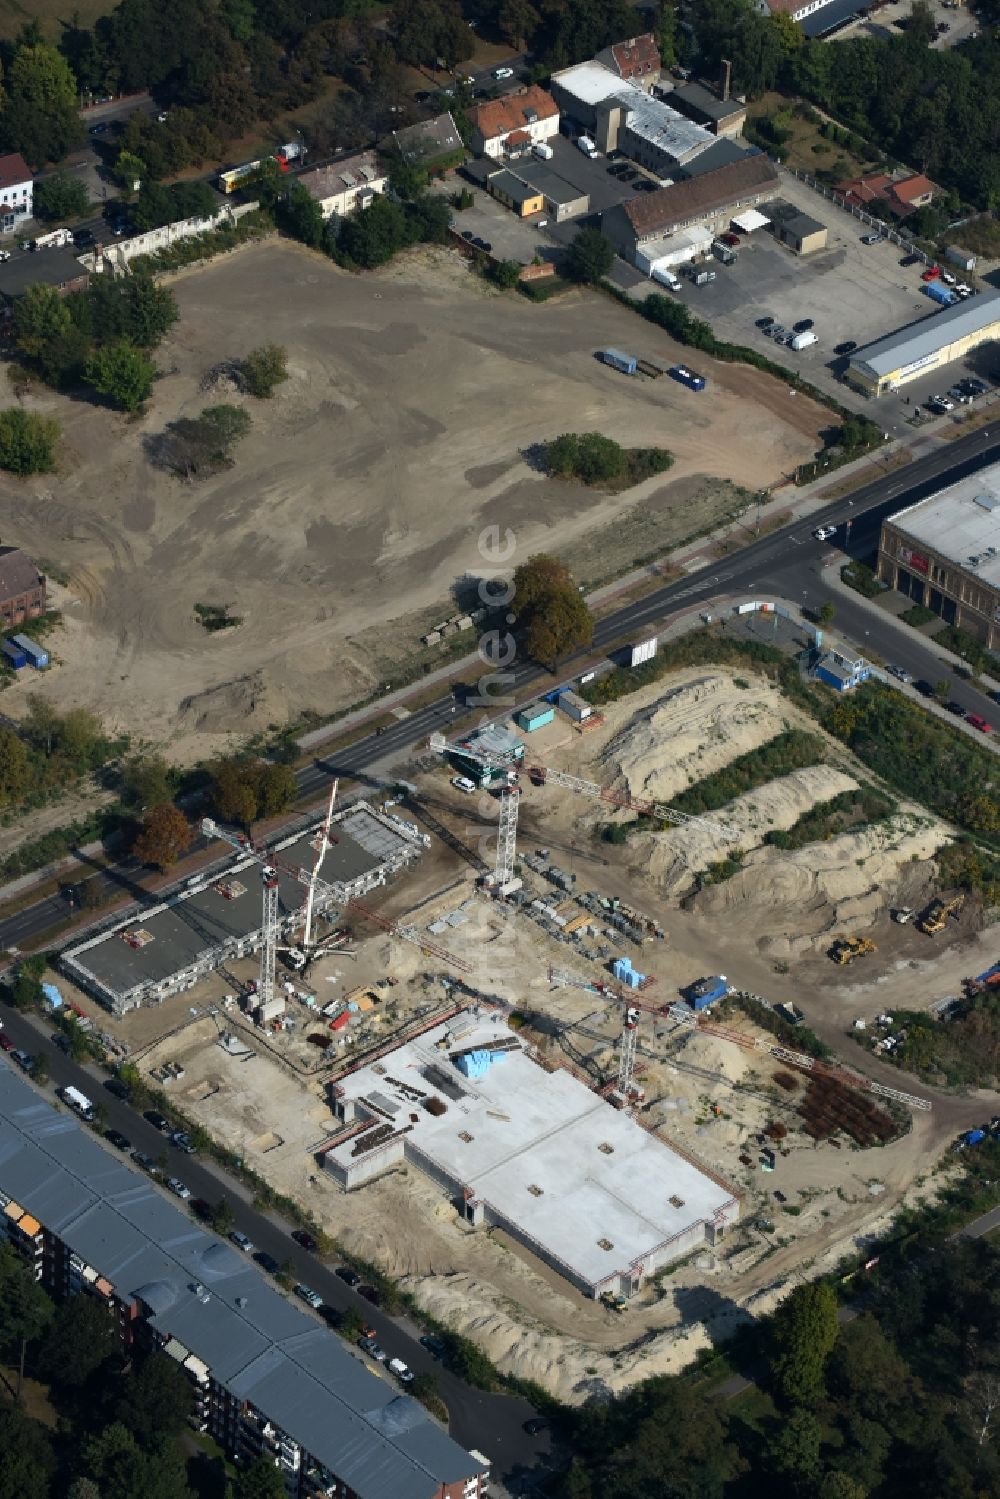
x=923, y=339
x=961, y=522
x=592, y=83
x=194, y=921
x=542, y=1150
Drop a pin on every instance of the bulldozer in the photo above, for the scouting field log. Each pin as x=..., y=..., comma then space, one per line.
x=846, y=949
x=936, y=915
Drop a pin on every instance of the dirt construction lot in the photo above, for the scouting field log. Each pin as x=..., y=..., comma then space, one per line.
x=363, y=488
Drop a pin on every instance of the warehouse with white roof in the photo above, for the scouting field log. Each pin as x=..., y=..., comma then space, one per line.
x=929, y=344
x=944, y=553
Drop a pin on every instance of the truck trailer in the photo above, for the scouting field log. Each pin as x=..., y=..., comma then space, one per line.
x=627, y=363
x=35, y=653
x=13, y=655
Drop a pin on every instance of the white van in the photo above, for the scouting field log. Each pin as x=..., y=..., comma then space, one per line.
x=586, y=145
x=543, y=150
x=462, y=783
x=667, y=279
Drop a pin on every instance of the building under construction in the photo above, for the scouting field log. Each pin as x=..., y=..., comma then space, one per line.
x=534, y=1152
x=217, y=916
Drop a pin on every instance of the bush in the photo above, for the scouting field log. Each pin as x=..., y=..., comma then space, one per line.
x=918, y=615
x=599, y=460
x=195, y=447
x=27, y=441
x=862, y=579
x=263, y=370
x=792, y=750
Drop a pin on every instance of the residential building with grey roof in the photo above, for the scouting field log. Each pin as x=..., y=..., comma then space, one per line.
x=268, y=1378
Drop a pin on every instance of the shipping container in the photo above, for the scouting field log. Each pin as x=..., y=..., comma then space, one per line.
x=535, y=717
x=14, y=655
x=681, y=373
x=338, y=1023
x=625, y=362
x=938, y=292
x=706, y=991
x=35, y=653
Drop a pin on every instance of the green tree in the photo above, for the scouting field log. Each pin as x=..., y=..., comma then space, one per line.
x=803, y=1335
x=146, y=780
x=152, y=311
x=372, y=238
x=129, y=173
x=837, y=1485
x=29, y=1461
x=223, y=1218
x=40, y=1068
x=27, y=441
x=156, y=1402
x=39, y=115
x=406, y=180
x=549, y=610
x=263, y=370
x=41, y=316
x=262, y=1480
x=507, y=274
x=123, y=373
x=827, y=613
x=300, y=215
x=13, y=765
x=79, y=1340
x=25, y=1310
x=589, y=257
x=83, y=1488
x=518, y=20
x=793, y=1450
x=589, y=456
x=60, y=197
x=233, y=791
x=165, y=835
x=276, y=789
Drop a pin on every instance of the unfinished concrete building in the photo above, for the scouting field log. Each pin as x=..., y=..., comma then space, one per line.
x=534, y=1152
x=216, y=917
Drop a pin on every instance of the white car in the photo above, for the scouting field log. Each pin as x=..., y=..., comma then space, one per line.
x=501, y=73
x=241, y=1241
x=462, y=783
x=823, y=533
x=402, y=1371
x=900, y=673
x=178, y=1188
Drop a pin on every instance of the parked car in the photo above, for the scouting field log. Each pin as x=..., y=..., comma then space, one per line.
x=954, y=707
x=435, y=1347
x=535, y=1425
x=402, y=1371
x=309, y=1296
x=963, y=289
x=348, y=1276
x=932, y=273
x=117, y=1088
x=157, y=1120
x=6, y=1044
x=924, y=687
x=117, y=1139
x=373, y=1349
x=370, y=1294
x=267, y=1262
x=823, y=533
x=462, y=783
x=468, y=234
x=730, y=239
x=178, y=1188
x=241, y=1241
x=871, y=239
x=900, y=673
x=145, y=1161
x=181, y=1140
x=803, y=325
x=24, y=1059
x=979, y=722
x=629, y=175
x=501, y=73
x=909, y=260
x=765, y=322
x=305, y=1239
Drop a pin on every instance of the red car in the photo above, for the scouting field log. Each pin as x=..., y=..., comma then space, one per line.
x=6, y=1043
x=730, y=239
x=932, y=273
x=978, y=722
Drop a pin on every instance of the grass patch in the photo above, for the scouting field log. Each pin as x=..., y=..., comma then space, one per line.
x=800, y=137
x=792, y=750
x=917, y=615
x=962, y=1051
x=849, y=811
x=969, y=648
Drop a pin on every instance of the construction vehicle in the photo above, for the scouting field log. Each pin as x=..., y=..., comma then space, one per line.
x=903, y=915
x=846, y=949
x=934, y=918
x=614, y=1301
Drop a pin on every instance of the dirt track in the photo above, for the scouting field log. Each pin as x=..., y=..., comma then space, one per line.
x=362, y=490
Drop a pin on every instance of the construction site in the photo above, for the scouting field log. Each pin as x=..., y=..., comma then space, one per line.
x=552, y=1083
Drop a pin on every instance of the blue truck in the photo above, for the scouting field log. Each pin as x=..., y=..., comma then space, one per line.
x=684, y=376
x=13, y=655
x=627, y=363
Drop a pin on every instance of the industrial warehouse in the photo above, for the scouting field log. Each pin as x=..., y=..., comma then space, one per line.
x=147, y=957
x=944, y=553
x=267, y=1376
x=930, y=344
x=534, y=1152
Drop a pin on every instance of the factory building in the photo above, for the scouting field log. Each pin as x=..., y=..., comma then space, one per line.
x=537, y=1153
x=929, y=344
x=944, y=553
x=216, y=917
x=267, y=1378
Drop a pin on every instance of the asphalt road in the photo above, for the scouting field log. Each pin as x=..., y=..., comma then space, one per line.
x=490, y=1422
x=788, y=563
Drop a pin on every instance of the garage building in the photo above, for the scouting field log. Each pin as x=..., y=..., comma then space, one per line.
x=926, y=345
x=944, y=553
x=798, y=230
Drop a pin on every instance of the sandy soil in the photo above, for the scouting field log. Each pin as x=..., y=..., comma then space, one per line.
x=363, y=488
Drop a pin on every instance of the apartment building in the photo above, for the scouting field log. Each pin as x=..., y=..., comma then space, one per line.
x=269, y=1379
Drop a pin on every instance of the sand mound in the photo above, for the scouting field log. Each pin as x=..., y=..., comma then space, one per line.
x=692, y=731
x=824, y=887
x=674, y=857
x=230, y=706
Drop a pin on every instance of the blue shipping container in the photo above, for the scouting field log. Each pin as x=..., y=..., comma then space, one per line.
x=938, y=292
x=703, y=993
x=625, y=362
x=690, y=378
x=14, y=655
x=35, y=653
x=974, y=1136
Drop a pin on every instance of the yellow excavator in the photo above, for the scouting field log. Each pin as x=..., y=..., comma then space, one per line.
x=934, y=918
x=846, y=949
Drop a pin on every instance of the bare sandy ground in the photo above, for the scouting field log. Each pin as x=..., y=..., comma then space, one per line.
x=363, y=488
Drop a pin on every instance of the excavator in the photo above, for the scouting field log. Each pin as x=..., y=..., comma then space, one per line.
x=846, y=949
x=936, y=915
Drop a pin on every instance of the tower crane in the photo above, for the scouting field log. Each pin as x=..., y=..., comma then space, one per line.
x=625, y=1093
x=541, y=775
x=322, y=845
x=269, y=916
